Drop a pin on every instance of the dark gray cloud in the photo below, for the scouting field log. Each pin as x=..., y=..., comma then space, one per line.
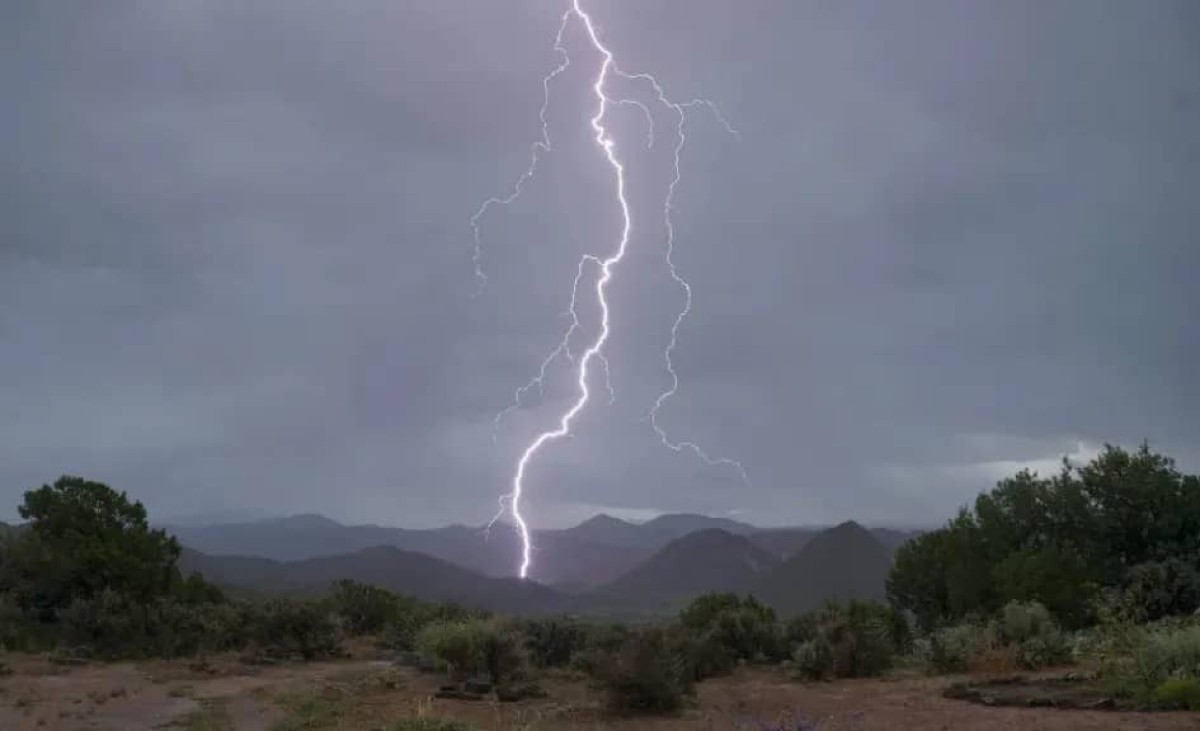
x=235, y=262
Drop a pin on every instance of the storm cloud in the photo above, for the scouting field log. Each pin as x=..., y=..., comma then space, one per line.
x=235, y=259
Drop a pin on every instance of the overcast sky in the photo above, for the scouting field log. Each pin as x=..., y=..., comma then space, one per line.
x=236, y=274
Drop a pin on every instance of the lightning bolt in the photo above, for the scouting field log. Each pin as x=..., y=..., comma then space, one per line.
x=680, y=141
x=536, y=150
x=511, y=501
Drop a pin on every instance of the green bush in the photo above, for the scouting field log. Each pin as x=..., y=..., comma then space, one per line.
x=733, y=627
x=189, y=629
x=1032, y=634
x=1023, y=634
x=854, y=640
x=456, y=645
x=1158, y=589
x=951, y=649
x=1178, y=693
x=468, y=647
x=602, y=640
x=109, y=625
x=553, y=642
x=288, y=627
x=16, y=630
x=1126, y=520
x=801, y=628
x=1155, y=666
x=646, y=675
x=813, y=659
x=363, y=608
x=412, y=616
x=707, y=655
x=504, y=657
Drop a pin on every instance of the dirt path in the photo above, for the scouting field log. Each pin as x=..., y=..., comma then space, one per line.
x=126, y=696
x=362, y=694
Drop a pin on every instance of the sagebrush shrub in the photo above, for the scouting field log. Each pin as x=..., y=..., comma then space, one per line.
x=363, y=608
x=288, y=627
x=647, y=674
x=952, y=649
x=1157, y=665
x=854, y=640
x=738, y=627
x=554, y=641
x=813, y=659
x=468, y=647
x=1032, y=634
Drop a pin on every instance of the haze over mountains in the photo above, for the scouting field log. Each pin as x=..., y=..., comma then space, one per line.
x=603, y=564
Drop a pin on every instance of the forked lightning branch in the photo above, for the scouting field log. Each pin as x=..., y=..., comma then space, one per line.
x=603, y=268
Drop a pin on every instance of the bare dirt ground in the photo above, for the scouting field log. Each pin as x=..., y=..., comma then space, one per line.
x=366, y=694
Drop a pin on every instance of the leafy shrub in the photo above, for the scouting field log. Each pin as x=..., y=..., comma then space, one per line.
x=1032, y=634
x=412, y=616
x=1023, y=635
x=844, y=641
x=109, y=625
x=952, y=649
x=1154, y=590
x=813, y=659
x=732, y=628
x=196, y=590
x=1179, y=693
x=468, y=647
x=646, y=675
x=454, y=644
x=363, y=608
x=288, y=627
x=1159, y=666
x=602, y=640
x=1127, y=520
x=16, y=630
x=553, y=642
x=801, y=628
x=708, y=655
x=503, y=651
x=188, y=629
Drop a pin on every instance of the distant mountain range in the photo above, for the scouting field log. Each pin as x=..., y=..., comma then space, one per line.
x=604, y=565
x=404, y=572
x=589, y=555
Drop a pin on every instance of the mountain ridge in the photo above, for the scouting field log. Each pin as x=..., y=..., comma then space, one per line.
x=578, y=559
x=844, y=562
x=403, y=572
x=704, y=561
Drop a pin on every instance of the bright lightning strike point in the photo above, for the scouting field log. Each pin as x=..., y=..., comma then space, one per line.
x=511, y=501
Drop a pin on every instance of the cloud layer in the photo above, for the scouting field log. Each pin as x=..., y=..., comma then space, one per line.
x=235, y=262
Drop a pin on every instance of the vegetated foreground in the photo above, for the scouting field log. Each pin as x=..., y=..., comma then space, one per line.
x=1096, y=570
x=366, y=694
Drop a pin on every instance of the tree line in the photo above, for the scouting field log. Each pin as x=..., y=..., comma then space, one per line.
x=1118, y=535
